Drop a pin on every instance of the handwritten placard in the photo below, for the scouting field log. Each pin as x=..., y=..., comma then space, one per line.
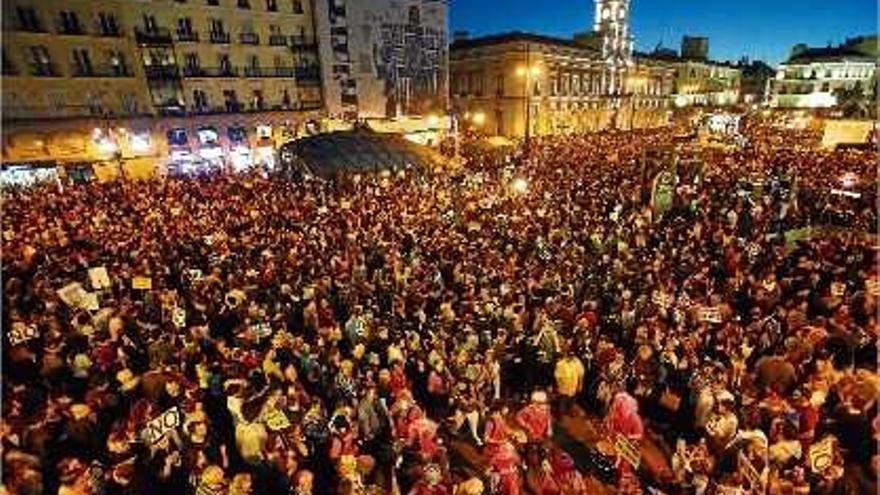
x=72, y=294
x=628, y=451
x=156, y=429
x=178, y=316
x=277, y=421
x=822, y=455
x=99, y=278
x=21, y=333
x=710, y=314
x=142, y=283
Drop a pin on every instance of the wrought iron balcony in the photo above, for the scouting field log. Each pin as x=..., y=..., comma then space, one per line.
x=158, y=36
x=249, y=38
x=302, y=43
x=209, y=72
x=161, y=72
x=278, y=40
x=219, y=37
x=187, y=36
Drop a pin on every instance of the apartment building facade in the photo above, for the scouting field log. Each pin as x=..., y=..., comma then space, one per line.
x=74, y=67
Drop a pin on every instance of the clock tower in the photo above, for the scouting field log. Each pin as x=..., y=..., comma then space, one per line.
x=612, y=23
x=612, y=26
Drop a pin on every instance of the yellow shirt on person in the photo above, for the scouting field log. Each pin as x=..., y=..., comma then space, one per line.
x=569, y=376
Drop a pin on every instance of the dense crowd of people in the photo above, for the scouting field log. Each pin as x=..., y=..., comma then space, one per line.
x=246, y=334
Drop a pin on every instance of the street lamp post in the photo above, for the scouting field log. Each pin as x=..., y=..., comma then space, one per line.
x=527, y=72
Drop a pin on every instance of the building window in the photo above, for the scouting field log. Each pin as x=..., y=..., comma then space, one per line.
x=150, y=24
x=56, y=103
x=95, y=103
x=40, y=63
x=118, y=64
x=191, y=64
x=214, y=3
x=108, y=25
x=253, y=68
x=200, y=101
x=82, y=63
x=272, y=5
x=231, y=100
x=297, y=7
x=28, y=20
x=414, y=16
x=499, y=85
x=130, y=104
x=225, y=65
x=8, y=68
x=244, y=4
x=257, y=100
x=69, y=23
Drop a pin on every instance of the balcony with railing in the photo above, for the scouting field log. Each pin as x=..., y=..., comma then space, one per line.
x=249, y=38
x=302, y=43
x=103, y=71
x=187, y=36
x=278, y=40
x=44, y=70
x=196, y=72
x=220, y=37
x=155, y=36
x=161, y=72
x=70, y=29
x=269, y=72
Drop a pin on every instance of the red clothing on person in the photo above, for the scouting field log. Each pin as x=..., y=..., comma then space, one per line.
x=535, y=419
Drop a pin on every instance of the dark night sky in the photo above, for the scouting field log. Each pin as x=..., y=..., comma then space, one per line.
x=762, y=29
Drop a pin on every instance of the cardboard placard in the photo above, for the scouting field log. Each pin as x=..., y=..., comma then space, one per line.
x=662, y=299
x=89, y=302
x=838, y=289
x=72, y=294
x=21, y=333
x=710, y=314
x=277, y=421
x=99, y=278
x=262, y=330
x=822, y=455
x=179, y=317
x=142, y=283
x=158, y=427
x=873, y=287
x=628, y=451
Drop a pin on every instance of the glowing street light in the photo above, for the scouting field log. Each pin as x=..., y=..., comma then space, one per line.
x=479, y=118
x=433, y=119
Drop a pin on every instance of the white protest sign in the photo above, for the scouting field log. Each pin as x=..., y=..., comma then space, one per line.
x=710, y=314
x=179, y=317
x=89, y=302
x=99, y=278
x=72, y=294
x=822, y=455
x=628, y=451
x=277, y=421
x=21, y=333
x=158, y=427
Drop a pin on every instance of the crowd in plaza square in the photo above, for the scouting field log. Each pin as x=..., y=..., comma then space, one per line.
x=257, y=335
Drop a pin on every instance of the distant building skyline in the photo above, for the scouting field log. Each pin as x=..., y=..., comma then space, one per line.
x=759, y=29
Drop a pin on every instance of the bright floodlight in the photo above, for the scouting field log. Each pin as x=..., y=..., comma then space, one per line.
x=479, y=118
x=519, y=185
